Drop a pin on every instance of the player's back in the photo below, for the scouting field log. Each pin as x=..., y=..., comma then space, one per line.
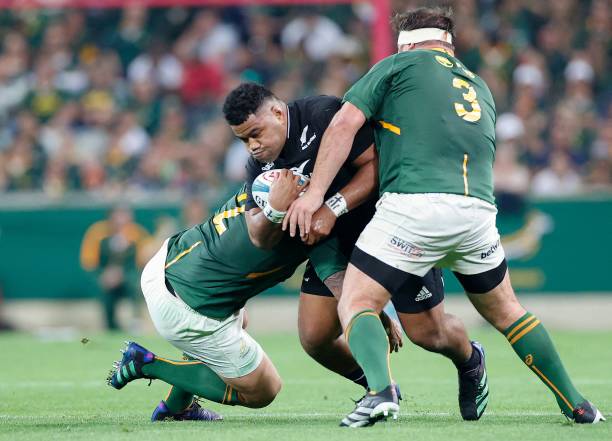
x=215, y=268
x=436, y=129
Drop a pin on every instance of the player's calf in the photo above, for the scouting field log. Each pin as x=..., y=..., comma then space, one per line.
x=531, y=342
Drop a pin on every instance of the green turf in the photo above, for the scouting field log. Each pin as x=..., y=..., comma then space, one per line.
x=56, y=390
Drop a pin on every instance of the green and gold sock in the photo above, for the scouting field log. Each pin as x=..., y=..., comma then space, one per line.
x=178, y=399
x=193, y=377
x=369, y=344
x=533, y=345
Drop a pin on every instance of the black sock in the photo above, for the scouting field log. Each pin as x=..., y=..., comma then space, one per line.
x=358, y=377
x=470, y=364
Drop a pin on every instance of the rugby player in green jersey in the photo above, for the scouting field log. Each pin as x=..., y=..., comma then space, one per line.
x=196, y=287
x=436, y=139
x=288, y=135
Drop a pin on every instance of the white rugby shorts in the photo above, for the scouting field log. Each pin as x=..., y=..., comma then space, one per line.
x=415, y=232
x=222, y=344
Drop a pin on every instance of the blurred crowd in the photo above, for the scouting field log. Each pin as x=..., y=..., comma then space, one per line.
x=128, y=101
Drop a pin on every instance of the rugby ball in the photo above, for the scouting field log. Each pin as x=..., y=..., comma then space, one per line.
x=261, y=185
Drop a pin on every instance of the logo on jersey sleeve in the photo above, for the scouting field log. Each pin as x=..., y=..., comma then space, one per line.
x=444, y=61
x=304, y=137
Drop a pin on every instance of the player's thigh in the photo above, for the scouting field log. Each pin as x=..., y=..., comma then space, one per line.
x=498, y=305
x=318, y=322
x=222, y=344
x=412, y=294
x=425, y=327
x=419, y=305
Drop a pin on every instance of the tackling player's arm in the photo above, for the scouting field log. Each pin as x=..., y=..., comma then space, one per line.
x=361, y=103
x=265, y=229
x=360, y=188
x=333, y=152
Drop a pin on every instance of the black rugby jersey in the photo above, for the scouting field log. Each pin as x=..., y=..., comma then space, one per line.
x=308, y=120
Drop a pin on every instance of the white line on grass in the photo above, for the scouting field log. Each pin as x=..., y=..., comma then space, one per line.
x=258, y=414
x=99, y=383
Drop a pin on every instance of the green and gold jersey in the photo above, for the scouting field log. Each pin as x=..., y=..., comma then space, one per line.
x=435, y=124
x=215, y=268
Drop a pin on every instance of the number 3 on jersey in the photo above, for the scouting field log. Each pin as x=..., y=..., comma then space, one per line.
x=470, y=96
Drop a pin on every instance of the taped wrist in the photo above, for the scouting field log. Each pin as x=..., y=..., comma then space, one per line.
x=273, y=215
x=337, y=204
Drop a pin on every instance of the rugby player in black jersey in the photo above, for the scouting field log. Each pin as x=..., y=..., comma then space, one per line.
x=282, y=135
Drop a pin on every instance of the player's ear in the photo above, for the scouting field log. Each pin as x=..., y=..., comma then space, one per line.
x=277, y=111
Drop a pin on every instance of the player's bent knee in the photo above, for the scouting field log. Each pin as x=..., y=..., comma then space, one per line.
x=315, y=339
x=429, y=338
x=264, y=394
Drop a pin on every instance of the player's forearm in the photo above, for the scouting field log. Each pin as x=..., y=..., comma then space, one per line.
x=362, y=186
x=333, y=152
x=262, y=232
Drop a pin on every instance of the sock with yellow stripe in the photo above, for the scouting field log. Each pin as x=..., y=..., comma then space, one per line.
x=178, y=399
x=193, y=377
x=369, y=344
x=533, y=345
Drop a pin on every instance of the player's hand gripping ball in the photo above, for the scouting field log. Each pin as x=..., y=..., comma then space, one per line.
x=261, y=185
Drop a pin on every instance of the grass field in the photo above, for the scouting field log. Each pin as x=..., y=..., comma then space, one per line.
x=56, y=390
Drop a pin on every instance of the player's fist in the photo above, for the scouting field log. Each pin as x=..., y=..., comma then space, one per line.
x=300, y=213
x=285, y=189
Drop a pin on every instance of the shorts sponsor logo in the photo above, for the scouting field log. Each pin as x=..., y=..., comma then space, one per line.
x=404, y=247
x=244, y=348
x=423, y=294
x=490, y=251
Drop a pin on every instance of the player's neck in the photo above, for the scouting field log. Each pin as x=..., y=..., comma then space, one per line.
x=442, y=49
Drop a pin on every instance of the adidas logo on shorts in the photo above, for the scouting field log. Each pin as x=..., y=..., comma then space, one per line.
x=423, y=294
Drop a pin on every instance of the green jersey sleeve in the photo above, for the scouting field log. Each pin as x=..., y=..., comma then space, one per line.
x=367, y=94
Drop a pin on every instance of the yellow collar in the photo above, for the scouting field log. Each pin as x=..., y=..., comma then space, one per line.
x=441, y=49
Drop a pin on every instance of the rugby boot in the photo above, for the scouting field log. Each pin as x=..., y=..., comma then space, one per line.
x=373, y=408
x=586, y=413
x=130, y=366
x=194, y=412
x=474, y=388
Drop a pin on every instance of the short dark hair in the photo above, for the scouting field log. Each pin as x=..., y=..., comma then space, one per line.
x=437, y=17
x=243, y=101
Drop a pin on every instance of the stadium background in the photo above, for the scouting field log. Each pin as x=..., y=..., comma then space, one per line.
x=104, y=104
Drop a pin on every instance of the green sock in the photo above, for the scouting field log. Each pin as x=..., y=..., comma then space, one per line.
x=194, y=377
x=370, y=346
x=178, y=399
x=533, y=345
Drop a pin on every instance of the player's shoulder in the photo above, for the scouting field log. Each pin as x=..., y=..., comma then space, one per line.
x=421, y=56
x=312, y=104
